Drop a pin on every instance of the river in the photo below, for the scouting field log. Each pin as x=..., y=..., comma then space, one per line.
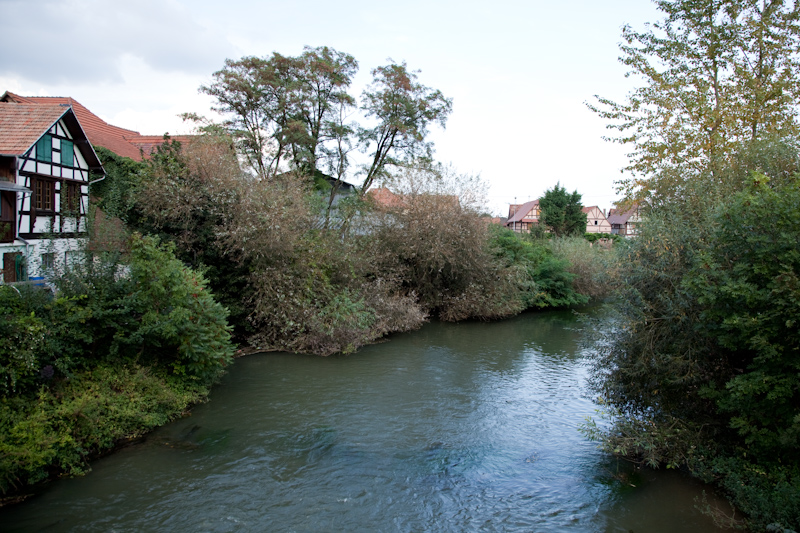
x=456, y=427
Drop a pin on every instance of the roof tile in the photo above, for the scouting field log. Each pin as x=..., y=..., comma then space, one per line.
x=21, y=125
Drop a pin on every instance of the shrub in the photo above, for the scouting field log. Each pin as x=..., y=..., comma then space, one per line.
x=22, y=337
x=594, y=266
x=59, y=429
x=546, y=281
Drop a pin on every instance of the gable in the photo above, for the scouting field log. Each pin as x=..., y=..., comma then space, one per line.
x=21, y=126
x=24, y=126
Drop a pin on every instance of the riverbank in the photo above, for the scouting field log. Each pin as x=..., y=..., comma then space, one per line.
x=76, y=420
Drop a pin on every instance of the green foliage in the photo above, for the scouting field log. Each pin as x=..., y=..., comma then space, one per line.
x=285, y=108
x=562, y=212
x=715, y=75
x=747, y=282
x=188, y=195
x=548, y=283
x=594, y=264
x=115, y=194
x=707, y=344
x=60, y=428
x=403, y=109
x=594, y=237
x=768, y=494
x=151, y=309
x=22, y=337
x=158, y=311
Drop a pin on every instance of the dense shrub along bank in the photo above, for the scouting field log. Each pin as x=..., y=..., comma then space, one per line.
x=71, y=420
x=304, y=278
x=126, y=343
x=703, y=369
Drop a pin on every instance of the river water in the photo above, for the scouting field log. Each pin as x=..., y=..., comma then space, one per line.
x=456, y=427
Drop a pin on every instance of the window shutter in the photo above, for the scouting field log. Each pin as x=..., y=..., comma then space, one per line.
x=44, y=149
x=67, y=152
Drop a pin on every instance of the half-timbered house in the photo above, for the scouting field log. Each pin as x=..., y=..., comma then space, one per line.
x=596, y=221
x=522, y=217
x=46, y=167
x=623, y=222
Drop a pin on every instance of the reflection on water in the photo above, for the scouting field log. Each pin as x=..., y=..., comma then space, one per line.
x=457, y=427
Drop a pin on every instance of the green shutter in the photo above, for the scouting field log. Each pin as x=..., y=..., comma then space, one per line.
x=67, y=152
x=44, y=148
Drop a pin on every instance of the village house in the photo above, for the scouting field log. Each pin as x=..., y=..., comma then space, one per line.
x=623, y=222
x=521, y=217
x=596, y=221
x=47, y=165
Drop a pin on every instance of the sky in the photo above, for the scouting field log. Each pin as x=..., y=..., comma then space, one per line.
x=519, y=72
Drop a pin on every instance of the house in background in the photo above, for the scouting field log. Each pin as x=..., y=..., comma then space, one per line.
x=596, y=221
x=121, y=141
x=623, y=222
x=521, y=217
x=46, y=166
x=384, y=198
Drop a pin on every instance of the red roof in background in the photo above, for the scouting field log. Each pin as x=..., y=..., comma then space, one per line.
x=521, y=212
x=21, y=125
x=121, y=141
x=385, y=198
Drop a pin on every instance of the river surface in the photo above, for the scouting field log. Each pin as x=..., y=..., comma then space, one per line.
x=456, y=427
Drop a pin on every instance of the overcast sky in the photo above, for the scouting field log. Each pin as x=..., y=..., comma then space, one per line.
x=518, y=72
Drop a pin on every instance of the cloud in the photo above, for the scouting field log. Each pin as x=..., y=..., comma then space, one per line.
x=80, y=41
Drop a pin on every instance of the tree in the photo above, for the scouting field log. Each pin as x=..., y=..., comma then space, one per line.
x=403, y=109
x=283, y=109
x=562, y=213
x=748, y=282
x=716, y=74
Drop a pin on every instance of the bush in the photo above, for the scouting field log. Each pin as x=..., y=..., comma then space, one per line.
x=63, y=426
x=594, y=266
x=707, y=344
x=748, y=283
x=22, y=338
x=152, y=310
x=547, y=281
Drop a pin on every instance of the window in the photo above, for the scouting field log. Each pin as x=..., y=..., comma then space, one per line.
x=70, y=199
x=8, y=204
x=48, y=261
x=67, y=152
x=44, y=149
x=44, y=195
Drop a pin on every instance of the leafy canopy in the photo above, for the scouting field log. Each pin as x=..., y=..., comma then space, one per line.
x=562, y=213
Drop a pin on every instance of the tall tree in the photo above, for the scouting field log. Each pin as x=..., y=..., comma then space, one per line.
x=715, y=73
x=403, y=109
x=561, y=212
x=281, y=109
x=323, y=76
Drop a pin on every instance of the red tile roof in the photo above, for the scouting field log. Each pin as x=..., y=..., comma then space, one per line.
x=21, y=125
x=385, y=198
x=121, y=141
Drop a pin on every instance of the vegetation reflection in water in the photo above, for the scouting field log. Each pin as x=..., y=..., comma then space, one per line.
x=457, y=427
